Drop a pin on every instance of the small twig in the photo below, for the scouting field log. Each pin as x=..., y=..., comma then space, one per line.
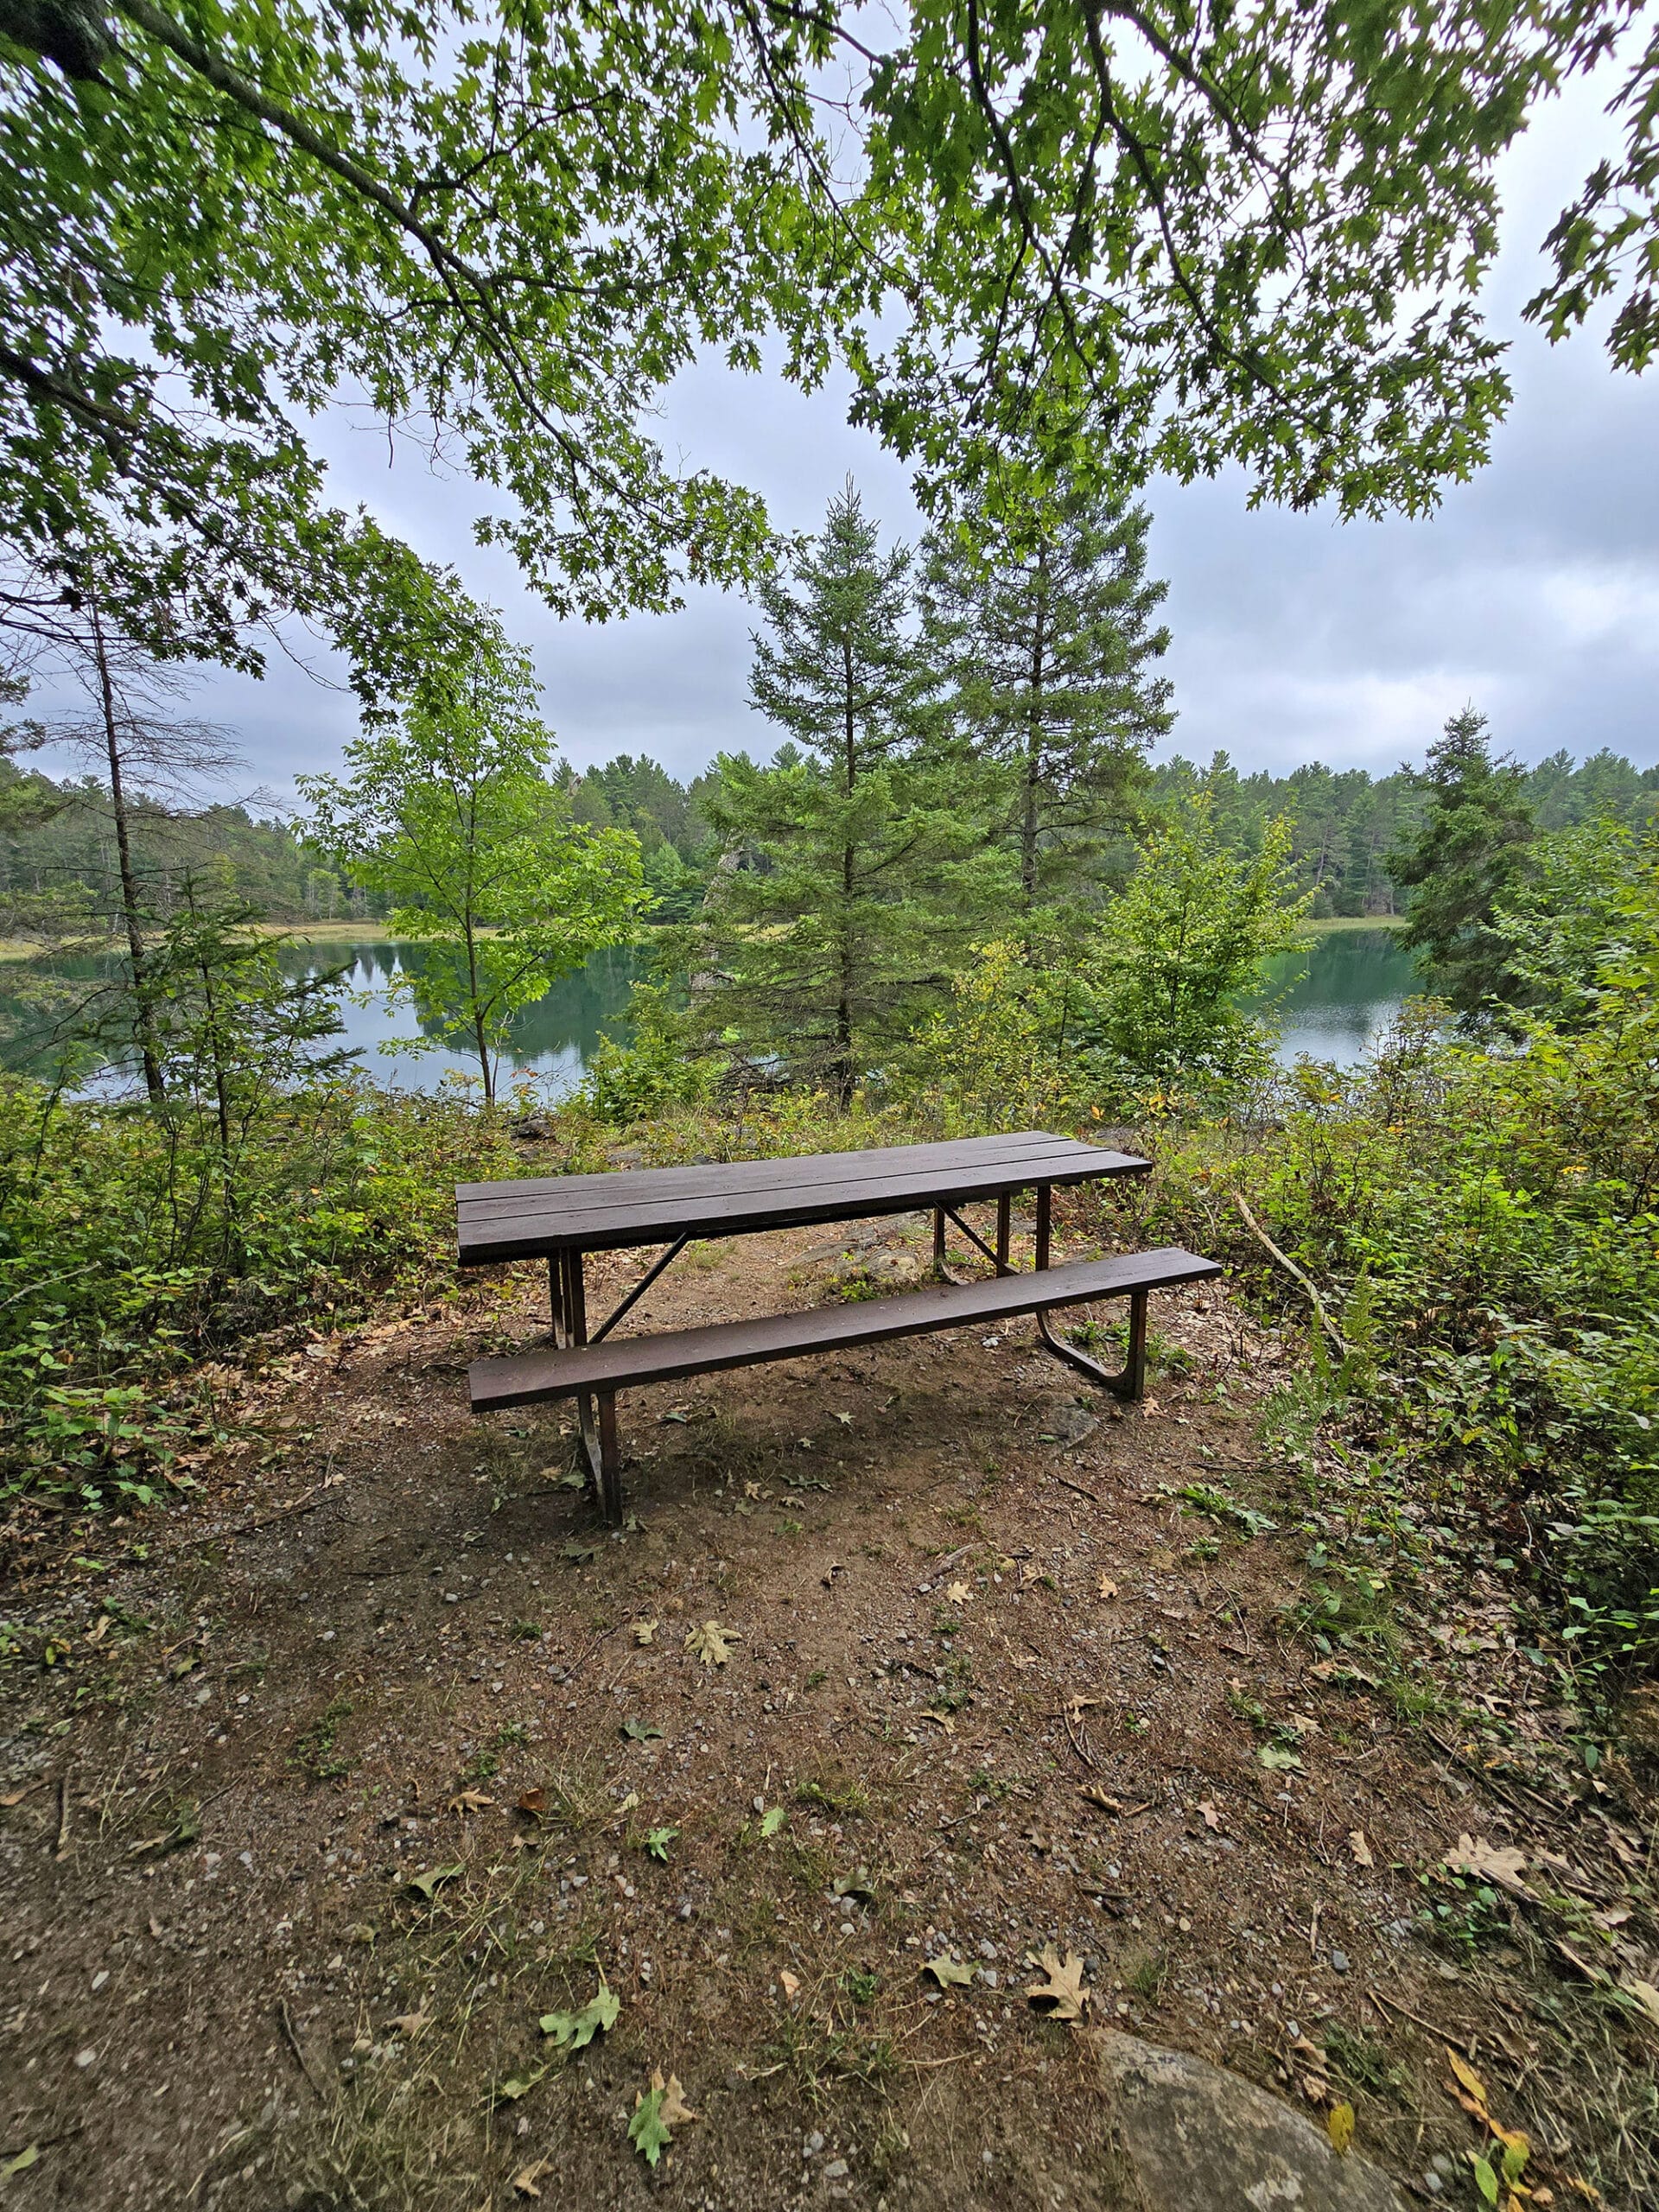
x=1290, y=1269
x=1464, y=2041
x=62, y=1849
x=1498, y=1788
x=295, y=2045
x=1092, y=1497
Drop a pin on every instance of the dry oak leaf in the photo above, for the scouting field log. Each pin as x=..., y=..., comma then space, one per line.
x=1108, y=1587
x=673, y=2108
x=1489, y=1863
x=711, y=1642
x=1060, y=1993
x=1361, y=1849
x=408, y=2025
x=643, y=1632
x=469, y=1801
x=525, y=2179
x=959, y=1593
x=790, y=1983
x=1212, y=1817
x=949, y=1973
x=1644, y=1994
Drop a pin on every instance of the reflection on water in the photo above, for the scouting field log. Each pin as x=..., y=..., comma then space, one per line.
x=1332, y=1001
x=551, y=1041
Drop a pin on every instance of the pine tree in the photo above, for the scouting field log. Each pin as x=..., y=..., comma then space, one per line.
x=843, y=870
x=1467, y=852
x=1047, y=630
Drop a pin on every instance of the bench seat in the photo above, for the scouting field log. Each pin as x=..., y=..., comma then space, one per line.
x=527, y=1378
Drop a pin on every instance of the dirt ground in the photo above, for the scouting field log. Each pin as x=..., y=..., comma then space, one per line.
x=327, y=1793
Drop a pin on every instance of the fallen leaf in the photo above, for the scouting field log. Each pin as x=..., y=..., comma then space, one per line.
x=1489, y=1863
x=959, y=1593
x=657, y=1842
x=640, y=1731
x=771, y=1820
x=1278, y=1758
x=648, y=2130
x=1644, y=1994
x=1361, y=1849
x=20, y=2163
x=428, y=1883
x=940, y=1720
x=517, y=2086
x=579, y=1553
x=790, y=1983
x=575, y=2030
x=1212, y=1817
x=1098, y=1795
x=409, y=2025
x=1060, y=1992
x=855, y=1885
x=846, y=1419
x=525, y=2179
x=469, y=1801
x=674, y=2107
x=949, y=1973
x=1108, y=1587
x=643, y=1632
x=712, y=1644
x=533, y=1801
x=17, y=1797
x=1466, y=2076
x=1339, y=2126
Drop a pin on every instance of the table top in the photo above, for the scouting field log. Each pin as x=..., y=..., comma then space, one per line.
x=540, y=1214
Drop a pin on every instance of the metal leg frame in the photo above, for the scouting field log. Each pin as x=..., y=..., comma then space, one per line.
x=1131, y=1382
x=568, y=1295
x=999, y=1258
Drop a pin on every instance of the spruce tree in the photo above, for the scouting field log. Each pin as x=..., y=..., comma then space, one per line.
x=1047, y=630
x=1467, y=851
x=842, y=871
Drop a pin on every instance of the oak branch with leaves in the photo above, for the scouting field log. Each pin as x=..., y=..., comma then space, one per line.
x=1057, y=239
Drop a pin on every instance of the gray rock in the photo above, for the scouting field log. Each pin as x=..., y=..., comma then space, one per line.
x=1191, y=2135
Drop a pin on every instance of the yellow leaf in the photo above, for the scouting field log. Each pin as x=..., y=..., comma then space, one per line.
x=1108, y=1587
x=1361, y=1849
x=1339, y=2126
x=1467, y=2077
x=711, y=1644
x=959, y=1593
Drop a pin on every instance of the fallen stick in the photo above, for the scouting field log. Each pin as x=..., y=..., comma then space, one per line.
x=1290, y=1269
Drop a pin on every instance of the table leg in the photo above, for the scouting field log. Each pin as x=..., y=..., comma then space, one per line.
x=1131, y=1382
x=1004, y=1214
x=938, y=1244
x=598, y=1431
x=556, y=1299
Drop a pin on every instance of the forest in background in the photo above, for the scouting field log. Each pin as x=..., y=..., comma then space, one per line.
x=58, y=836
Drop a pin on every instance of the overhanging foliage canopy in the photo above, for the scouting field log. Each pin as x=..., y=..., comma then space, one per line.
x=1120, y=236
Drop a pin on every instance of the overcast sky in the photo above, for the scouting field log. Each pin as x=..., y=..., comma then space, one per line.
x=1533, y=594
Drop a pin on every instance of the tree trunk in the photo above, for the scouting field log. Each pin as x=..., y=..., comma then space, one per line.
x=480, y=1040
x=130, y=907
x=1031, y=817
x=842, y=1066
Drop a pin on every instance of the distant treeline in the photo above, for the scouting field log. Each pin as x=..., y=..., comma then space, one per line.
x=57, y=839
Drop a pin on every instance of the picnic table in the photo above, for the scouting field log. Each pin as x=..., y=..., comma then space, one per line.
x=562, y=1218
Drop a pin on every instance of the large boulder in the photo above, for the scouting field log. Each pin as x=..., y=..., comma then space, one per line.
x=1193, y=2138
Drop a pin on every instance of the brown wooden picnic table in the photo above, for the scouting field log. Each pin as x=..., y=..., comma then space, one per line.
x=562, y=1217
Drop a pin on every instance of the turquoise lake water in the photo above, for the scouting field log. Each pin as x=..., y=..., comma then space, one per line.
x=1333, y=1002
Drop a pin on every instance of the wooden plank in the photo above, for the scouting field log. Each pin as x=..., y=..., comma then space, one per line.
x=548, y=1228
x=662, y=1188
x=621, y=1362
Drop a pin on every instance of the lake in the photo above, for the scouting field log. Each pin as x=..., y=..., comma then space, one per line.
x=1331, y=1002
